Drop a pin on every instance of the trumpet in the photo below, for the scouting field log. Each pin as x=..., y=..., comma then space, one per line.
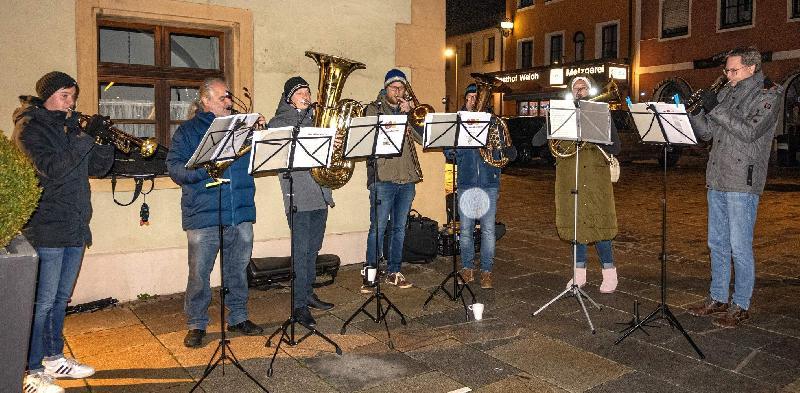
x=420, y=111
x=694, y=102
x=121, y=140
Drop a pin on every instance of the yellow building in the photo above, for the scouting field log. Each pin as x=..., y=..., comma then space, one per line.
x=156, y=51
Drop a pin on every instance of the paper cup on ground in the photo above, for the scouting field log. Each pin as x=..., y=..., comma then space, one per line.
x=477, y=310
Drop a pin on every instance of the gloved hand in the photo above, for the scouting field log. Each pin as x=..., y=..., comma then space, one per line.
x=511, y=153
x=709, y=100
x=98, y=128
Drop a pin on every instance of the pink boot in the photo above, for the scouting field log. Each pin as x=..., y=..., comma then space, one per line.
x=580, y=277
x=609, y=284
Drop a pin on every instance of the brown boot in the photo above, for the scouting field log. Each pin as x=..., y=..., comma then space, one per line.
x=468, y=275
x=732, y=318
x=708, y=307
x=486, y=280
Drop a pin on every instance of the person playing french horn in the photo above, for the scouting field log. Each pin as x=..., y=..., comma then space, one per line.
x=392, y=183
x=597, y=216
x=311, y=201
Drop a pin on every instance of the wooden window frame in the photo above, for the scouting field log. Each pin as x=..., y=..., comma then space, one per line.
x=723, y=6
x=161, y=75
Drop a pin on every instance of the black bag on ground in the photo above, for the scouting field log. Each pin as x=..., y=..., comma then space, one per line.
x=446, y=239
x=269, y=271
x=421, y=241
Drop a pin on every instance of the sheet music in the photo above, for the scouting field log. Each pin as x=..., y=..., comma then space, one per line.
x=390, y=139
x=216, y=144
x=676, y=123
x=594, y=122
x=474, y=128
x=562, y=120
x=272, y=148
x=439, y=130
x=314, y=145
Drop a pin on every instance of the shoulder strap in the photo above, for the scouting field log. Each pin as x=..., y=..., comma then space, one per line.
x=138, y=181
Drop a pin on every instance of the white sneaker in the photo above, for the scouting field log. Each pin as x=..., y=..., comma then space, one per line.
x=40, y=383
x=67, y=368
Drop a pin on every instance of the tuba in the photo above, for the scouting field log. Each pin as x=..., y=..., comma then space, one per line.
x=420, y=111
x=334, y=113
x=121, y=140
x=499, y=138
x=565, y=149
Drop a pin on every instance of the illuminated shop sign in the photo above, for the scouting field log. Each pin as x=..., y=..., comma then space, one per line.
x=521, y=77
x=618, y=72
x=557, y=76
x=591, y=70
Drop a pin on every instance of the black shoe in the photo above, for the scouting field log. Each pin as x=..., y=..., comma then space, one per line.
x=247, y=328
x=194, y=338
x=317, y=304
x=303, y=316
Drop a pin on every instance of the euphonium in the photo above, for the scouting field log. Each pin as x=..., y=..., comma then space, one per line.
x=334, y=113
x=564, y=149
x=694, y=102
x=121, y=140
x=420, y=111
x=499, y=138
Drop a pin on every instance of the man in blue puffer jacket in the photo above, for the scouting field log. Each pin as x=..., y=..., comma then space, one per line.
x=200, y=215
x=478, y=184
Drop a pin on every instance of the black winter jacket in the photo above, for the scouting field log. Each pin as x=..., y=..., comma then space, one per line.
x=64, y=158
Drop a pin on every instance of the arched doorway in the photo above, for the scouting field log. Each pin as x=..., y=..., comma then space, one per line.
x=789, y=136
x=667, y=88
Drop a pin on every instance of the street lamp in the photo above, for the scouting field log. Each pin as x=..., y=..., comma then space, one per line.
x=506, y=26
x=448, y=53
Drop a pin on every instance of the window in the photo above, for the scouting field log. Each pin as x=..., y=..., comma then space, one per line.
x=467, y=54
x=556, y=48
x=609, y=42
x=579, y=39
x=488, y=48
x=674, y=18
x=735, y=13
x=524, y=3
x=795, y=10
x=148, y=75
x=525, y=53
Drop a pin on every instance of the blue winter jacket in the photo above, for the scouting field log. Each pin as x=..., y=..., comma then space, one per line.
x=473, y=171
x=199, y=205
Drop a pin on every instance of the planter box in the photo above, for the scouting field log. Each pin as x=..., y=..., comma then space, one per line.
x=18, y=270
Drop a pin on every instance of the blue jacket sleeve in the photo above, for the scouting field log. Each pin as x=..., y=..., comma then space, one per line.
x=180, y=152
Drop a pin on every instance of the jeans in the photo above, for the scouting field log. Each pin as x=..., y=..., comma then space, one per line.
x=307, y=235
x=394, y=201
x=477, y=205
x=604, y=251
x=731, y=219
x=58, y=271
x=203, y=247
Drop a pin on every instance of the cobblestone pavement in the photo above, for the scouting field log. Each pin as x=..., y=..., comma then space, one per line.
x=138, y=347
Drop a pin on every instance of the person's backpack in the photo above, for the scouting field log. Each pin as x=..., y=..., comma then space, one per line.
x=422, y=238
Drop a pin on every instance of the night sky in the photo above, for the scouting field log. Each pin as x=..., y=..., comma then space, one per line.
x=465, y=16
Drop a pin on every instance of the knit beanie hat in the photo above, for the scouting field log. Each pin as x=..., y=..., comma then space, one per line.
x=292, y=85
x=471, y=88
x=394, y=75
x=52, y=82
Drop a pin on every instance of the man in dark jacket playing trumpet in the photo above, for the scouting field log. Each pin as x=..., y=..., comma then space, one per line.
x=48, y=132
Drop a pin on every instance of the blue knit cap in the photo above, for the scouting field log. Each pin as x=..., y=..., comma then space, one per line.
x=471, y=88
x=394, y=75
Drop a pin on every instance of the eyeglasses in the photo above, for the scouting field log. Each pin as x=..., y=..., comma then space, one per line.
x=732, y=71
x=395, y=88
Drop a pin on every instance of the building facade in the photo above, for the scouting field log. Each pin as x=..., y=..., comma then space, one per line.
x=141, y=62
x=554, y=41
x=682, y=45
x=475, y=52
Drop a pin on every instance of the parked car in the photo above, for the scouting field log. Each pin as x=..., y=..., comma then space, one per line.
x=523, y=128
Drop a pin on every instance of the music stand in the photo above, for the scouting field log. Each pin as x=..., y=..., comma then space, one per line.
x=666, y=125
x=460, y=130
x=374, y=137
x=284, y=150
x=223, y=141
x=579, y=121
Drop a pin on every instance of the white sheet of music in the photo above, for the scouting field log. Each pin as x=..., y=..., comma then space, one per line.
x=393, y=127
x=213, y=144
x=675, y=121
x=314, y=146
x=562, y=120
x=273, y=143
x=474, y=128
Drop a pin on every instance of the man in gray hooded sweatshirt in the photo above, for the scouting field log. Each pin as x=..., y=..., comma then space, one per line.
x=311, y=202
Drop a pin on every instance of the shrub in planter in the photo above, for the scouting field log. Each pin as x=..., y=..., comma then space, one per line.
x=19, y=190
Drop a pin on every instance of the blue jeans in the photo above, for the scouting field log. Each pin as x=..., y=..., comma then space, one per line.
x=480, y=201
x=604, y=251
x=394, y=200
x=203, y=248
x=307, y=235
x=731, y=219
x=58, y=271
